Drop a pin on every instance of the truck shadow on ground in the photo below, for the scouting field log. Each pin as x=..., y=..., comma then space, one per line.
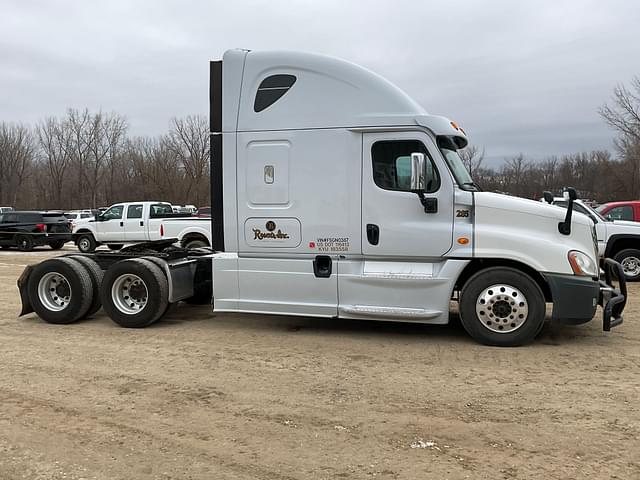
x=551, y=334
x=202, y=317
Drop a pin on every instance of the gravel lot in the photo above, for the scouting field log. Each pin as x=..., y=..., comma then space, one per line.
x=256, y=397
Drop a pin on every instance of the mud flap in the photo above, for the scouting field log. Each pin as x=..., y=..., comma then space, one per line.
x=23, y=281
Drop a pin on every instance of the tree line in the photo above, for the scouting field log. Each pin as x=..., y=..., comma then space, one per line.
x=86, y=160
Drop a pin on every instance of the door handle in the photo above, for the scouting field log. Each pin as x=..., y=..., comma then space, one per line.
x=373, y=234
x=122, y=224
x=141, y=223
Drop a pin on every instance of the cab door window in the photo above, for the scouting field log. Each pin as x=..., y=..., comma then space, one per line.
x=392, y=165
x=114, y=213
x=624, y=212
x=134, y=211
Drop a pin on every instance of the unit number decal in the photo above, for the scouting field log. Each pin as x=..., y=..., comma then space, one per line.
x=331, y=244
x=462, y=213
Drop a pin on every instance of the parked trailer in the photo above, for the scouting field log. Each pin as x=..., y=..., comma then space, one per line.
x=335, y=195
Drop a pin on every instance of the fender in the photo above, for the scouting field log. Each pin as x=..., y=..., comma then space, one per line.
x=627, y=238
x=198, y=230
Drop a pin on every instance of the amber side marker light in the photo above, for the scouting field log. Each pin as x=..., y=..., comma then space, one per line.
x=463, y=240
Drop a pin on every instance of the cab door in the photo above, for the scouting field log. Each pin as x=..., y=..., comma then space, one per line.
x=134, y=228
x=401, y=274
x=110, y=226
x=394, y=221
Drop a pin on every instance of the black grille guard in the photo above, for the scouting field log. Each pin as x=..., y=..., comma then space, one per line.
x=612, y=300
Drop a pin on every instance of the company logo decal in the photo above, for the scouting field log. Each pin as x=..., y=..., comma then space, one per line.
x=270, y=233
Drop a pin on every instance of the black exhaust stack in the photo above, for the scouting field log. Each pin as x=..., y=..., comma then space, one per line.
x=215, y=148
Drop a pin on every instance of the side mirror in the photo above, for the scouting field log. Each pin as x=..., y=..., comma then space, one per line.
x=417, y=172
x=565, y=227
x=418, y=183
x=548, y=196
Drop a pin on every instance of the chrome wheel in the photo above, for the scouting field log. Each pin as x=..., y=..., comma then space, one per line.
x=129, y=294
x=631, y=266
x=84, y=245
x=502, y=308
x=54, y=291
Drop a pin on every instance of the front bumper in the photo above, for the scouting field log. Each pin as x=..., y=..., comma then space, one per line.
x=575, y=298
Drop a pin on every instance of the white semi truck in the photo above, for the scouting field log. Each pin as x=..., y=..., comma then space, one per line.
x=336, y=195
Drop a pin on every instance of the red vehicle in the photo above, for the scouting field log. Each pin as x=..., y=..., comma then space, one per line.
x=621, y=210
x=203, y=212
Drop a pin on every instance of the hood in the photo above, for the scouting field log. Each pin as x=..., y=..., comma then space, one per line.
x=626, y=223
x=622, y=227
x=527, y=207
x=527, y=231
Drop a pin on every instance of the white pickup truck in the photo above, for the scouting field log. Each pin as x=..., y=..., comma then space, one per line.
x=141, y=222
x=617, y=239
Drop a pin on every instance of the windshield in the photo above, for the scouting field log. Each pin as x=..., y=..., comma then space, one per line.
x=450, y=153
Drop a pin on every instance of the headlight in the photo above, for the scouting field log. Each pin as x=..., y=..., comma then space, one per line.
x=582, y=264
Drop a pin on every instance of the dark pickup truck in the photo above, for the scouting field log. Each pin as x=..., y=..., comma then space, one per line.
x=26, y=230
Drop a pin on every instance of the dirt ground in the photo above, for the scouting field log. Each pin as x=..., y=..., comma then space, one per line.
x=256, y=397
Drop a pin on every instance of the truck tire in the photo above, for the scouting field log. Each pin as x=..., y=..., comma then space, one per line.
x=96, y=274
x=115, y=246
x=161, y=263
x=134, y=293
x=629, y=258
x=24, y=243
x=502, y=306
x=86, y=243
x=60, y=290
x=194, y=243
x=57, y=245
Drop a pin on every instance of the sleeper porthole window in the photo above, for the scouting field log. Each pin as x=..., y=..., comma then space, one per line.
x=271, y=89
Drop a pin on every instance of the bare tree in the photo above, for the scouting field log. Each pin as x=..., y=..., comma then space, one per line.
x=189, y=141
x=623, y=114
x=472, y=158
x=17, y=149
x=55, y=146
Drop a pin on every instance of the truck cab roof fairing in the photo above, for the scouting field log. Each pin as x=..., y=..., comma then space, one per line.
x=327, y=93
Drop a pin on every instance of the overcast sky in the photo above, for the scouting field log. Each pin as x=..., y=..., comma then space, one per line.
x=519, y=76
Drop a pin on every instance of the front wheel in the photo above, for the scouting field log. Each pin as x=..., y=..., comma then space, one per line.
x=24, y=243
x=86, y=243
x=502, y=306
x=630, y=261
